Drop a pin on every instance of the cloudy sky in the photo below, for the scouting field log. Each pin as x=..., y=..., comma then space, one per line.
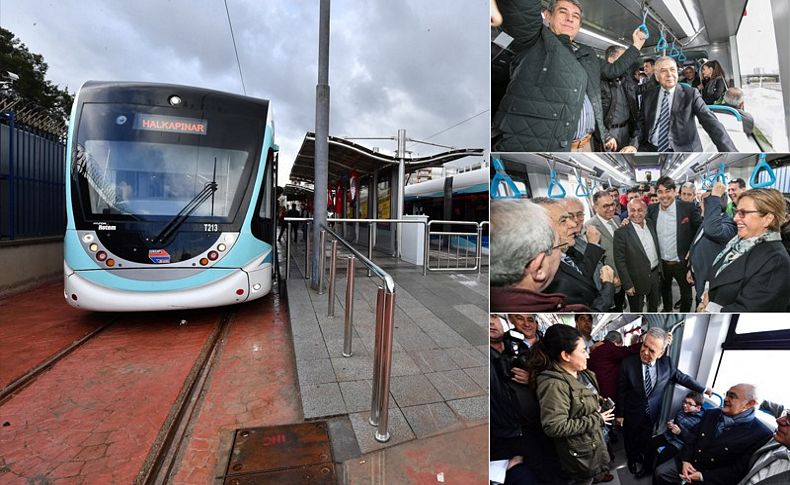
x=422, y=66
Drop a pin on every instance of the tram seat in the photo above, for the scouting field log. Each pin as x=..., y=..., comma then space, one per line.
x=734, y=126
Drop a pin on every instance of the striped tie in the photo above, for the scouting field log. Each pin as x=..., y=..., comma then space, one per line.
x=663, y=123
x=648, y=388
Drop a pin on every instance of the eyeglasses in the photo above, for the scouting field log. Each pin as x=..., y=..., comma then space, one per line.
x=690, y=403
x=742, y=212
x=577, y=215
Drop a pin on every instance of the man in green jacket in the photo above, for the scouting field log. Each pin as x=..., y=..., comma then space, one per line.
x=553, y=101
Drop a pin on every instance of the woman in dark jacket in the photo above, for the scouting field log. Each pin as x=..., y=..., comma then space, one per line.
x=752, y=273
x=713, y=84
x=569, y=405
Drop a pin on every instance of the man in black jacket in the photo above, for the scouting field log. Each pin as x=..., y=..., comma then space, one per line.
x=553, y=101
x=636, y=258
x=619, y=103
x=666, y=120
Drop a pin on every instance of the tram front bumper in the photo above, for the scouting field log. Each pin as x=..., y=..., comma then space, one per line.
x=237, y=287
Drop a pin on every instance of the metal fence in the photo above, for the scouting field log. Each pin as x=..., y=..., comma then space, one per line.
x=32, y=185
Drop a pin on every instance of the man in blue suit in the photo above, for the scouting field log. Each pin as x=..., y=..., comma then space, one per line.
x=643, y=380
x=722, y=443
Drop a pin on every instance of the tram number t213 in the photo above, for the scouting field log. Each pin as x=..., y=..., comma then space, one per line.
x=211, y=227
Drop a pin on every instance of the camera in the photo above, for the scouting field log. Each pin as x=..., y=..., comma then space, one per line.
x=516, y=351
x=606, y=403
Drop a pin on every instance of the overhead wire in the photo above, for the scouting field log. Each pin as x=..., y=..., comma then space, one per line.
x=235, y=50
x=453, y=126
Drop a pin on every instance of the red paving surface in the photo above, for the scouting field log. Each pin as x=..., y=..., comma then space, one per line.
x=35, y=325
x=254, y=383
x=93, y=417
x=461, y=456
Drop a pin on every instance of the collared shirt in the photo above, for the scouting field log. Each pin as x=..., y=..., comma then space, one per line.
x=586, y=120
x=667, y=230
x=647, y=243
x=661, y=93
x=610, y=225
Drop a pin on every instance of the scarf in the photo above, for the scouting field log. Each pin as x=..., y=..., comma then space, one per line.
x=737, y=247
x=730, y=421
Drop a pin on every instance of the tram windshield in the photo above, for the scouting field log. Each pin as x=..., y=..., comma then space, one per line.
x=134, y=161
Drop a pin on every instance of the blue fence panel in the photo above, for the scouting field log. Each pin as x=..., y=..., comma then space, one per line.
x=32, y=185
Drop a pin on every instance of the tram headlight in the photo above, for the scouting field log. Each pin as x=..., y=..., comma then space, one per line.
x=87, y=238
x=213, y=255
x=174, y=100
x=93, y=247
x=101, y=255
x=110, y=262
x=203, y=261
x=221, y=247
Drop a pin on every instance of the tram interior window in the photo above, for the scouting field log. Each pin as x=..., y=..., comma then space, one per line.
x=767, y=369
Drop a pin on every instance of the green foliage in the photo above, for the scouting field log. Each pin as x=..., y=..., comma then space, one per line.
x=32, y=85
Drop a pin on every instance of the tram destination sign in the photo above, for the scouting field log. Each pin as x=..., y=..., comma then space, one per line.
x=170, y=124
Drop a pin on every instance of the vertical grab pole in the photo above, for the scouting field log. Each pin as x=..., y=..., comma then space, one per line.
x=288, y=250
x=308, y=247
x=332, y=270
x=371, y=229
x=321, y=261
x=375, y=412
x=382, y=431
x=427, y=238
x=349, y=316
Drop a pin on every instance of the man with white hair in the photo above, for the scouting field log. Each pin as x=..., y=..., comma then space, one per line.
x=525, y=254
x=770, y=465
x=721, y=446
x=643, y=380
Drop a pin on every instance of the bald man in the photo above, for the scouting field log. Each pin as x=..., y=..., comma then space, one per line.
x=637, y=259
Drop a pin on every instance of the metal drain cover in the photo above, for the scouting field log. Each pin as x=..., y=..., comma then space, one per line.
x=294, y=453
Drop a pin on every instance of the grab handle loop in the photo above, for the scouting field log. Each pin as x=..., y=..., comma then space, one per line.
x=643, y=26
x=662, y=42
x=720, y=177
x=581, y=189
x=682, y=56
x=499, y=177
x=762, y=165
x=555, y=184
x=706, y=182
x=674, y=52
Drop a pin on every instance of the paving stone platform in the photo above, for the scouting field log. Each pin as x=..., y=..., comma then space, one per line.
x=440, y=347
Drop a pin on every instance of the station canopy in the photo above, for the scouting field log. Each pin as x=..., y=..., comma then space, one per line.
x=345, y=155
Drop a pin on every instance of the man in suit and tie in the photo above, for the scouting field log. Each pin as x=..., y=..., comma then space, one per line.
x=666, y=120
x=637, y=260
x=574, y=277
x=676, y=224
x=722, y=443
x=643, y=380
x=607, y=222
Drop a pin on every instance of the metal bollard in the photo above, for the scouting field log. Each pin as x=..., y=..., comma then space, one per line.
x=288, y=250
x=349, y=316
x=309, y=246
x=374, y=400
x=382, y=432
x=371, y=229
x=332, y=270
x=321, y=261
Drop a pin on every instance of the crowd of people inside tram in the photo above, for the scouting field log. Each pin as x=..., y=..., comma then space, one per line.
x=560, y=400
x=725, y=249
x=561, y=97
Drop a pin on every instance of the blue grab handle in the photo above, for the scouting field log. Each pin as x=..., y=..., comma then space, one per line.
x=502, y=176
x=581, y=190
x=762, y=165
x=662, y=43
x=720, y=175
x=728, y=109
x=706, y=182
x=682, y=57
x=705, y=405
x=643, y=26
x=554, y=184
x=674, y=52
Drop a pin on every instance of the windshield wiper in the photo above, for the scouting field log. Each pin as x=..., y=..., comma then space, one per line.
x=181, y=217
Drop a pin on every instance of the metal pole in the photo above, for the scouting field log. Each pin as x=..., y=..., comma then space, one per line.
x=371, y=232
x=479, y=248
x=401, y=189
x=425, y=258
x=332, y=270
x=11, y=182
x=322, y=261
x=382, y=432
x=349, y=316
x=308, y=247
x=321, y=138
x=375, y=412
x=288, y=250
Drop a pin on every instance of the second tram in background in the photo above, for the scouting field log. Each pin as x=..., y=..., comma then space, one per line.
x=170, y=198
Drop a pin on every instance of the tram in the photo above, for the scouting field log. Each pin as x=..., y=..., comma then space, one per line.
x=717, y=351
x=170, y=198
x=736, y=33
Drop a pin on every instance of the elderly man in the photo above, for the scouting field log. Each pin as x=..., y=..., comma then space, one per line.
x=733, y=98
x=553, y=101
x=637, y=260
x=525, y=254
x=676, y=224
x=575, y=276
x=527, y=326
x=688, y=192
x=721, y=445
x=770, y=465
x=666, y=120
x=643, y=380
x=607, y=222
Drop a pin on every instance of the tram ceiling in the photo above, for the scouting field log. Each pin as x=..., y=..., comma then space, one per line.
x=345, y=155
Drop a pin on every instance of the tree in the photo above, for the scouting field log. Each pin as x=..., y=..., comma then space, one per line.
x=32, y=86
